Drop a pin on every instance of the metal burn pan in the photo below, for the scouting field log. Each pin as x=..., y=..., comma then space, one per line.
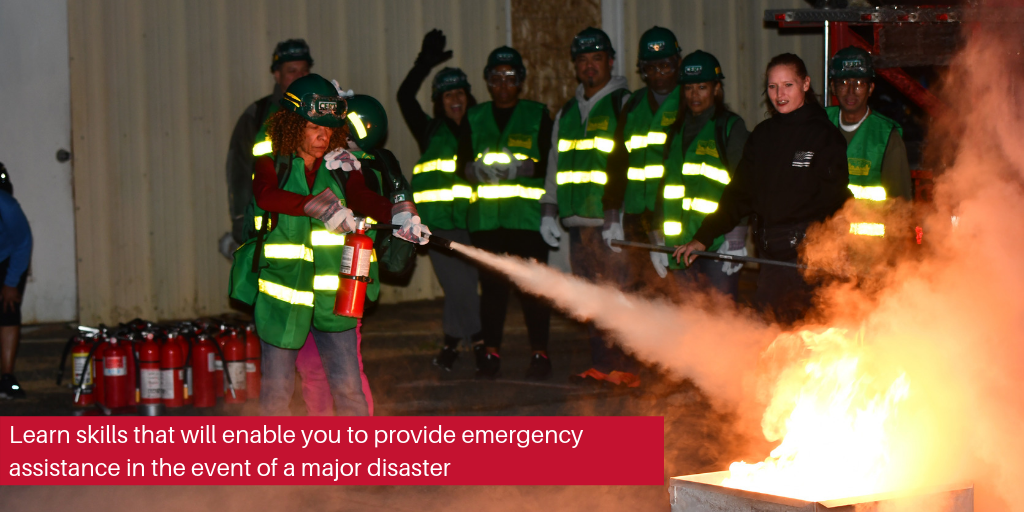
x=704, y=493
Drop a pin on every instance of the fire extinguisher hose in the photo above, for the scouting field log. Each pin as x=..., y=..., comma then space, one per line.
x=85, y=368
x=227, y=374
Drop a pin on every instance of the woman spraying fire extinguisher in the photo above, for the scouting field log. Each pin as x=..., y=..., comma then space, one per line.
x=290, y=270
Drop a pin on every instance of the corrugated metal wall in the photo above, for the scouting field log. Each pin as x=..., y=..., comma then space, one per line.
x=156, y=88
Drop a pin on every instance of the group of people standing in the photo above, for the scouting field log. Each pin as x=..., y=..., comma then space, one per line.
x=666, y=164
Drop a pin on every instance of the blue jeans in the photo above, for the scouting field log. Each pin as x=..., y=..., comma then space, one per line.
x=708, y=272
x=339, y=352
x=591, y=258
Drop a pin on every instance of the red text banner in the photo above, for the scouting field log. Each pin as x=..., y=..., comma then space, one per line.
x=238, y=450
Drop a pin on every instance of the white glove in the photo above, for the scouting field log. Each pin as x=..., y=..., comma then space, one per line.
x=344, y=94
x=341, y=221
x=660, y=261
x=227, y=246
x=614, y=232
x=341, y=159
x=411, y=230
x=730, y=267
x=549, y=230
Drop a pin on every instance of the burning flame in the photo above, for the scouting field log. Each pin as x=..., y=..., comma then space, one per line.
x=834, y=410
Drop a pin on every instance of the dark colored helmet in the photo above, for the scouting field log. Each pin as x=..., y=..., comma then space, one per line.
x=591, y=40
x=700, y=67
x=367, y=121
x=448, y=79
x=656, y=44
x=505, y=56
x=287, y=51
x=851, y=62
x=315, y=99
x=5, y=180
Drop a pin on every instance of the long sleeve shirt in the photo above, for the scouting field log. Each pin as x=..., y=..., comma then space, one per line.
x=358, y=197
x=240, y=159
x=15, y=239
x=793, y=170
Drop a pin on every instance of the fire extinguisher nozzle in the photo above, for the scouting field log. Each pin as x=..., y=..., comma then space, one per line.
x=440, y=242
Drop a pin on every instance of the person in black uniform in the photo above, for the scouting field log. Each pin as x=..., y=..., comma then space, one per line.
x=793, y=172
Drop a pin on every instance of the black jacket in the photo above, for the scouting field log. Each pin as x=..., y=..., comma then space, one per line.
x=241, y=163
x=793, y=171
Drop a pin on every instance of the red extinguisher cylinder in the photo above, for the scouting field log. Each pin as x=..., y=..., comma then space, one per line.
x=186, y=388
x=203, y=384
x=357, y=253
x=253, y=363
x=172, y=373
x=79, y=361
x=218, y=367
x=116, y=387
x=150, y=387
x=234, y=365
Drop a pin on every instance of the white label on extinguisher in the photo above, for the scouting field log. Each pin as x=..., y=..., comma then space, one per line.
x=210, y=364
x=250, y=367
x=151, y=386
x=188, y=381
x=167, y=383
x=236, y=369
x=346, y=259
x=78, y=361
x=364, y=262
x=115, y=366
x=218, y=365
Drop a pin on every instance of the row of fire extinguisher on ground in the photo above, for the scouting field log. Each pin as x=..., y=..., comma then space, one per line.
x=147, y=368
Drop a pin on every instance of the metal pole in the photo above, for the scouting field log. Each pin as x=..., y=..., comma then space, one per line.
x=824, y=84
x=708, y=254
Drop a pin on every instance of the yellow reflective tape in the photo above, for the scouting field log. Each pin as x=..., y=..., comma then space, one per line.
x=656, y=138
x=353, y=118
x=654, y=171
x=700, y=205
x=675, y=191
x=703, y=169
x=496, y=158
x=286, y=294
x=673, y=228
x=604, y=145
x=566, y=145
x=869, y=193
x=585, y=144
x=564, y=177
x=464, y=191
x=258, y=222
x=440, y=164
x=433, y=196
x=636, y=174
x=520, y=156
x=508, y=191
x=867, y=229
x=636, y=142
x=262, y=148
x=288, y=252
x=323, y=237
x=326, y=283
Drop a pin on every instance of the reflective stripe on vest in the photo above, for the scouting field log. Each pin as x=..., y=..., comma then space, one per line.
x=329, y=282
x=323, y=237
x=288, y=252
x=443, y=194
x=600, y=143
x=647, y=173
x=283, y=293
x=502, y=158
x=870, y=193
x=506, y=191
x=262, y=148
x=675, y=191
x=867, y=229
x=440, y=164
x=258, y=222
x=564, y=177
x=710, y=172
x=700, y=205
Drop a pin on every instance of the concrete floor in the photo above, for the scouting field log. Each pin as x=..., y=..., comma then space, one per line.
x=399, y=342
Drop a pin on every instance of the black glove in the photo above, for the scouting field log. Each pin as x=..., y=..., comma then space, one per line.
x=432, y=52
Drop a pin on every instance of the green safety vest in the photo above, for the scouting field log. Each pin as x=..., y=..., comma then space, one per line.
x=261, y=145
x=864, y=155
x=583, y=157
x=510, y=204
x=693, y=186
x=644, y=135
x=441, y=197
x=298, y=278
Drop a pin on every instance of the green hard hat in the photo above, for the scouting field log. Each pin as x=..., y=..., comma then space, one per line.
x=658, y=43
x=367, y=121
x=287, y=51
x=316, y=100
x=698, y=67
x=591, y=40
x=851, y=62
x=448, y=79
x=505, y=55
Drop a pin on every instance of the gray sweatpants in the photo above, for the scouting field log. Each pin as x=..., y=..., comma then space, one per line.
x=459, y=280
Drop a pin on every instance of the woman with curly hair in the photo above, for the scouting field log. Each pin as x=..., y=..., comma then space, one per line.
x=308, y=209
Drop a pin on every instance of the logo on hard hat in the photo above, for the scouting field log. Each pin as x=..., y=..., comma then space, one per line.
x=504, y=56
x=693, y=70
x=656, y=46
x=327, y=107
x=854, y=65
x=587, y=41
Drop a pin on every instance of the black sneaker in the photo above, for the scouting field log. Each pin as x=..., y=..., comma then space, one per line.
x=9, y=387
x=480, y=355
x=446, y=358
x=491, y=367
x=540, y=368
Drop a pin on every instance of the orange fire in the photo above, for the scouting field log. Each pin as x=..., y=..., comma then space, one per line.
x=834, y=410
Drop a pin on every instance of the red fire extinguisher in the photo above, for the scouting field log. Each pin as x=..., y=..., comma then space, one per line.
x=82, y=350
x=203, y=372
x=218, y=365
x=150, y=388
x=99, y=388
x=172, y=373
x=355, y=273
x=234, y=368
x=253, y=363
x=186, y=349
x=116, y=385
